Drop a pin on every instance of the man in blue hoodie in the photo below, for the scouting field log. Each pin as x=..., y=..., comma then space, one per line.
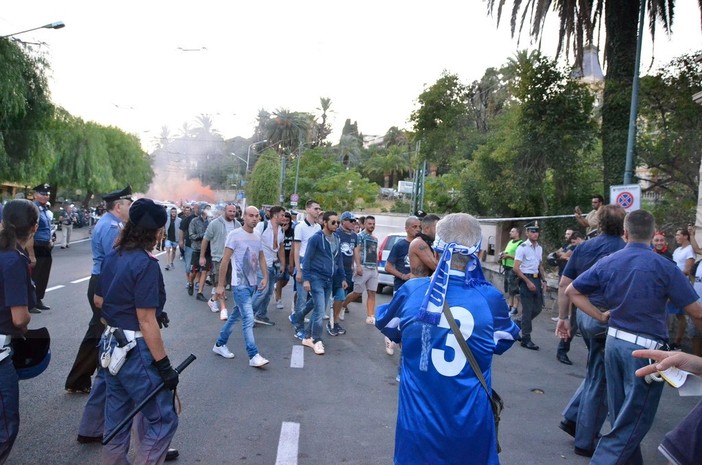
x=322, y=264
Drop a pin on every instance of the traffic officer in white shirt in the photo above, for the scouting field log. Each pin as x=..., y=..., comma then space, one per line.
x=529, y=269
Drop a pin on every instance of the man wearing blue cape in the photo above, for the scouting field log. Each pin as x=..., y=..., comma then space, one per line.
x=444, y=415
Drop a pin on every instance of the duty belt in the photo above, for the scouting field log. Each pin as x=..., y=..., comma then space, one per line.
x=5, y=340
x=130, y=335
x=634, y=338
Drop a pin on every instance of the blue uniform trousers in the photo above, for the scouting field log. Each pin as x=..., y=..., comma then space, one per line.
x=632, y=406
x=531, y=305
x=92, y=423
x=9, y=407
x=135, y=380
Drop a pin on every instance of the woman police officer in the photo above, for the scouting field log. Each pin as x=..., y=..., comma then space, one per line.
x=132, y=295
x=17, y=296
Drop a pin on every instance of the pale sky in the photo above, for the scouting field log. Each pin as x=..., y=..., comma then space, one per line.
x=119, y=63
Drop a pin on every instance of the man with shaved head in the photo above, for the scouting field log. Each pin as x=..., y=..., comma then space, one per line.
x=243, y=249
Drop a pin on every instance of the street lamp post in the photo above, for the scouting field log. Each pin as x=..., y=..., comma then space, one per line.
x=54, y=25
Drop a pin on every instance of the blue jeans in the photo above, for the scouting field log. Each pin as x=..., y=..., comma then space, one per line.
x=592, y=410
x=9, y=407
x=261, y=299
x=303, y=307
x=632, y=406
x=135, y=380
x=243, y=298
x=320, y=289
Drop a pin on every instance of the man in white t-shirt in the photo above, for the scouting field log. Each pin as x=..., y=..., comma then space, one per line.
x=684, y=258
x=303, y=231
x=243, y=249
x=271, y=242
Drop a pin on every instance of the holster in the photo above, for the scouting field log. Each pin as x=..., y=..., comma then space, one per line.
x=126, y=341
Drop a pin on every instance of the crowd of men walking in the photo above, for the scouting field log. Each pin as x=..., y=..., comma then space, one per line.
x=617, y=288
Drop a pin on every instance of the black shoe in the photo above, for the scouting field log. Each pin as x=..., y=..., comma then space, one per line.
x=567, y=426
x=88, y=439
x=34, y=310
x=190, y=288
x=264, y=320
x=83, y=390
x=200, y=297
x=563, y=358
x=331, y=330
x=172, y=454
x=529, y=345
x=583, y=452
x=40, y=305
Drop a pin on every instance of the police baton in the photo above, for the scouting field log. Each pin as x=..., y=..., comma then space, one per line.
x=191, y=358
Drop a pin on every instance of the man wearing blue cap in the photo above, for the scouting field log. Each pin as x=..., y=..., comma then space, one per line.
x=347, y=247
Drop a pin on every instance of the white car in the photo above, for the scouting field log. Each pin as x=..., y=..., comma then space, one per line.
x=385, y=278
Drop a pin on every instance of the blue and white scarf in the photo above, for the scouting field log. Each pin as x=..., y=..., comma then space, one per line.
x=433, y=303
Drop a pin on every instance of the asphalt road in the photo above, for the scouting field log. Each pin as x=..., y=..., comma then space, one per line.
x=336, y=409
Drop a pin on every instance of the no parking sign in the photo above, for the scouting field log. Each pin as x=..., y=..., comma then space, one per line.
x=627, y=196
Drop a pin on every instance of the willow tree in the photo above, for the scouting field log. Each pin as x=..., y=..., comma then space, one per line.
x=25, y=113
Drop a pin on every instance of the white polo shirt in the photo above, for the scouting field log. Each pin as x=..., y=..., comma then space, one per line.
x=530, y=257
x=303, y=232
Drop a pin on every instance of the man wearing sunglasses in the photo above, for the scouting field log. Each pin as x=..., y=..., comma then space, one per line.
x=321, y=267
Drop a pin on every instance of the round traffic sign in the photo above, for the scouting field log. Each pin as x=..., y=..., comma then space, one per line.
x=294, y=198
x=625, y=199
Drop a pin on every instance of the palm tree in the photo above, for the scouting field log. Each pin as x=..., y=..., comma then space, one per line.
x=388, y=162
x=578, y=22
x=349, y=150
x=323, y=129
x=286, y=130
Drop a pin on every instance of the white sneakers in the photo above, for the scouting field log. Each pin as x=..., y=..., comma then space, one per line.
x=279, y=304
x=214, y=305
x=223, y=314
x=389, y=346
x=257, y=361
x=318, y=346
x=370, y=320
x=223, y=351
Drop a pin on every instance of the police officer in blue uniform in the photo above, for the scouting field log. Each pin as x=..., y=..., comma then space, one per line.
x=19, y=223
x=40, y=251
x=131, y=294
x=104, y=236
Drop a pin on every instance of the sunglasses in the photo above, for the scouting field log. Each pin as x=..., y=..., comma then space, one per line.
x=333, y=223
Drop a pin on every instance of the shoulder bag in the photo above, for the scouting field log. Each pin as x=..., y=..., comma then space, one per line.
x=495, y=399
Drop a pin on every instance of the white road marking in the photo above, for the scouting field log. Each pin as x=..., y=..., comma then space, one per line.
x=297, y=359
x=80, y=280
x=54, y=288
x=288, y=443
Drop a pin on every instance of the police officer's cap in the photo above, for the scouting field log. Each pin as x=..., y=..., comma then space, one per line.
x=43, y=189
x=147, y=214
x=532, y=227
x=119, y=194
x=32, y=354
